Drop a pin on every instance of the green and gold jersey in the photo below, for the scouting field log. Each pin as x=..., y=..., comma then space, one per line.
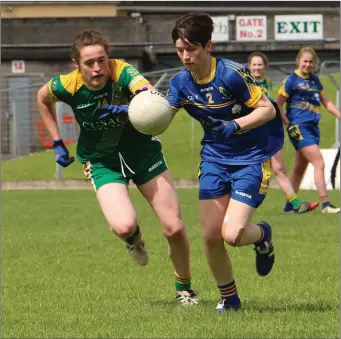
x=100, y=138
x=266, y=85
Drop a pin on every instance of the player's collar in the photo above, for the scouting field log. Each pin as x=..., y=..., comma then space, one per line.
x=300, y=74
x=210, y=76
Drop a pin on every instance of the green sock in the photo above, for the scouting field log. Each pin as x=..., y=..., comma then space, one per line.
x=182, y=283
x=294, y=200
x=296, y=203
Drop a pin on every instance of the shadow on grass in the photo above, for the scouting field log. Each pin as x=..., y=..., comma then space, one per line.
x=173, y=302
x=284, y=307
x=250, y=306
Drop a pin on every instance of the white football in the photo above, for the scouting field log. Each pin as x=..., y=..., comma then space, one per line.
x=150, y=112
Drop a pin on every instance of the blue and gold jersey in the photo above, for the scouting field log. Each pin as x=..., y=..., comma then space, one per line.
x=228, y=93
x=303, y=97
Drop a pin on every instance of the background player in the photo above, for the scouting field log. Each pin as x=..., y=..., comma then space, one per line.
x=113, y=152
x=303, y=93
x=235, y=168
x=257, y=63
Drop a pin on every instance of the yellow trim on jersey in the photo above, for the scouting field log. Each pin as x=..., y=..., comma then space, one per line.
x=116, y=68
x=322, y=92
x=256, y=94
x=137, y=83
x=52, y=97
x=266, y=170
x=197, y=104
x=300, y=74
x=210, y=76
x=72, y=82
x=88, y=174
x=255, y=91
x=307, y=106
x=282, y=92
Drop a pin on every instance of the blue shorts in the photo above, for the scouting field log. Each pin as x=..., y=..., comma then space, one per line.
x=245, y=183
x=309, y=135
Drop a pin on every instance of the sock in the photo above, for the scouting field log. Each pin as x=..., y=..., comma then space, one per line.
x=182, y=283
x=228, y=291
x=264, y=234
x=131, y=240
x=325, y=204
x=294, y=200
x=325, y=201
x=288, y=207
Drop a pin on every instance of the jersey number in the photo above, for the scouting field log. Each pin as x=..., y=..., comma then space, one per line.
x=210, y=100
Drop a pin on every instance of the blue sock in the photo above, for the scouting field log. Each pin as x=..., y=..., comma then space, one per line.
x=288, y=207
x=265, y=233
x=229, y=292
x=325, y=204
x=130, y=240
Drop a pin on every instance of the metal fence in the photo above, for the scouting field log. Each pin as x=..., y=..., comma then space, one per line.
x=23, y=133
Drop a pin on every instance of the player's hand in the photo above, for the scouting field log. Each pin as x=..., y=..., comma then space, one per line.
x=62, y=154
x=113, y=110
x=293, y=131
x=224, y=129
x=137, y=92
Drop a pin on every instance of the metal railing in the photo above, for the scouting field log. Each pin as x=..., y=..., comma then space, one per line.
x=22, y=131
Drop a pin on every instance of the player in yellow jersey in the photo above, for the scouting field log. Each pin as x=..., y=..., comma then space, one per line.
x=113, y=152
x=258, y=62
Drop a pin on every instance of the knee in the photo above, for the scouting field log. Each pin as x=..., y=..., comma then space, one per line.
x=279, y=170
x=212, y=239
x=319, y=165
x=124, y=229
x=172, y=230
x=234, y=237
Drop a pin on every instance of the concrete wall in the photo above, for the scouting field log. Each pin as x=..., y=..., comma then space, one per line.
x=44, y=63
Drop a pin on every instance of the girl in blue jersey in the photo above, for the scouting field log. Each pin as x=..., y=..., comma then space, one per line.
x=257, y=63
x=235, y=168
x=303, y=94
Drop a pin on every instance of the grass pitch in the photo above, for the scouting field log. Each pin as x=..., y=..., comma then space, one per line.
x=64, y=275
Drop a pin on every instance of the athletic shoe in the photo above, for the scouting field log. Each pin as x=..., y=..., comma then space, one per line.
x=138, y=252
x=303, y=208
x=331, y=209
x=306, y=207
x=187, y=298
x=265, y=254
x=228, y=305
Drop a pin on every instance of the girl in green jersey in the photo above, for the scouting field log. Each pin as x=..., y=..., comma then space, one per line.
x=113, y=152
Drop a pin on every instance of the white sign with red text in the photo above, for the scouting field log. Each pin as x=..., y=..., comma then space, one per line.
x=251, y=28
x=18, y=66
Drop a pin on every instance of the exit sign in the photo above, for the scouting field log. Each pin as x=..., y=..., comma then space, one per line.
x=299, y=27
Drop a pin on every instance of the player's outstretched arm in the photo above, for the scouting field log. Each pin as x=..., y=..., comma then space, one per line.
x=47, y=111
x=329, y=105
x=263, y=112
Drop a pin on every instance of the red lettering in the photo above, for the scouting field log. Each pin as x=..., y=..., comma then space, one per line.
x=251, y=22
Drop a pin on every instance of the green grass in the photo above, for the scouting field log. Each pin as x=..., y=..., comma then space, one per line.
x=64, y=275
x=181, y=143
